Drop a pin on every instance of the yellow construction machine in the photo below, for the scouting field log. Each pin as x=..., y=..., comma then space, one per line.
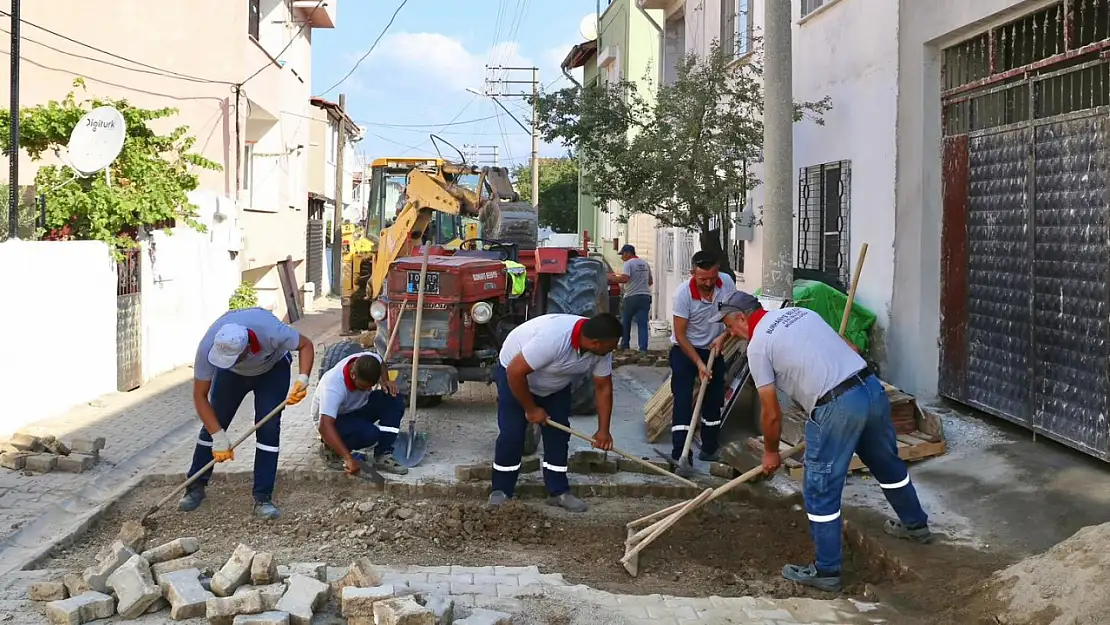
x=412, y=200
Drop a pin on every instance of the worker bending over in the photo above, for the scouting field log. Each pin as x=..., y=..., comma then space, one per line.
x=794, y=350
x=697, y=329
x=539, y=361
x=350, y=415
x=245, y=351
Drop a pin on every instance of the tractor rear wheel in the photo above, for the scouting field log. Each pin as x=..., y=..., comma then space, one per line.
x=336, y=352
x=583, y=290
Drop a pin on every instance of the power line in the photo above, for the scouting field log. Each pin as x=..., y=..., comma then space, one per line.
x=372, y=46
x=307, y=21
x=112, y=54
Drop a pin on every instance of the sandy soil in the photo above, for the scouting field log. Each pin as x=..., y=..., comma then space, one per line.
x=726, y=550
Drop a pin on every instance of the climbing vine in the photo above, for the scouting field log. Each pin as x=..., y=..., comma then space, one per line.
x=149, y=179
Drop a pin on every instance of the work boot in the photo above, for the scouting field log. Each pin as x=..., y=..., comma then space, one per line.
x=265, y=509
x=704, y=457
x=389, y=464
x=568, y=502
x=920, y=535
x=192, y=499
x=809, y=576
x=498, y=499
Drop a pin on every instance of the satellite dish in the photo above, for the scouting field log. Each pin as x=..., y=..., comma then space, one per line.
x=96, y=140
x=588, y=27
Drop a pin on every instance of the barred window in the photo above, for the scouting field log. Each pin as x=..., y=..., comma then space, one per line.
x=824, y=198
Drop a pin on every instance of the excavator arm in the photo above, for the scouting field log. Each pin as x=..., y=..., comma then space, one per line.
x=425, y=195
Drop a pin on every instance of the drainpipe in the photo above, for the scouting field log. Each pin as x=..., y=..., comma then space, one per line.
x=662, y=37
x=570, y=78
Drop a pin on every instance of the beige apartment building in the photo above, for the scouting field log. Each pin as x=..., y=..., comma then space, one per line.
x=239, y=71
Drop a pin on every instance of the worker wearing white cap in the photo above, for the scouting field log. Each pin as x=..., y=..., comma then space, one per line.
x=795, y=351
x=245, y=351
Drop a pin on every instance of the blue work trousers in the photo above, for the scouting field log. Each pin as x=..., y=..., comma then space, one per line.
x=511, y=426
x=684, y=385
x=856, y=422
x=228, y=391
x=376, y=424
x=635, y=308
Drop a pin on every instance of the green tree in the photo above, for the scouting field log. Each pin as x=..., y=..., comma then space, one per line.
x=150, y=178
x=558, y=191
x=680, y=158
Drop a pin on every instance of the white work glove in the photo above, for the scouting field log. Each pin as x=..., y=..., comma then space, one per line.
x=221, y=447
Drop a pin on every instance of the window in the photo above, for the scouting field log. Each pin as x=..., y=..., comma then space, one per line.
x=248, y=173
x=254, y=17
x=824, y=197
x=737, y=27
x=809, y=6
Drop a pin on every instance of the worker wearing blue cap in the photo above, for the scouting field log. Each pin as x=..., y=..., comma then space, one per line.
x=245, y=351
x=795, y=351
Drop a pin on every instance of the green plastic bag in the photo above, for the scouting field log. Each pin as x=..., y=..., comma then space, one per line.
x=829, y=303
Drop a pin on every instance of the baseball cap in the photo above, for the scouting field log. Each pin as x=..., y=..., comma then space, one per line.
x=738, y=301
x=229, y=343
x=628, y=249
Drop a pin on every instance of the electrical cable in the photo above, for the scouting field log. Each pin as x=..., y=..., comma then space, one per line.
x=112, y=54
x=372, y=46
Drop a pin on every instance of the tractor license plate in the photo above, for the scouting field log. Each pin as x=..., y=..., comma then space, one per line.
x=431, y=283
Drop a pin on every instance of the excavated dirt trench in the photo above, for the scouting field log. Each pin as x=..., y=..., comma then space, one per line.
x=731, y=549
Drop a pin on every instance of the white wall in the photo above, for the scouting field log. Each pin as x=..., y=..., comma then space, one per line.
x=849, y=51
x=59, y=320
x=188, y=277
x=913, y=354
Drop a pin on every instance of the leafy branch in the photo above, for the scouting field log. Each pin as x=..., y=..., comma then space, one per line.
x=150, y=178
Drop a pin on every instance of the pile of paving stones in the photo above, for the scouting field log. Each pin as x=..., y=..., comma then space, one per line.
x=249, y=589
x=651, y=358
x=43, y=454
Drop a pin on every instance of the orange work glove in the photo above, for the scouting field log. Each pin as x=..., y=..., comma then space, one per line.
x=299, y=391
x=221, y=447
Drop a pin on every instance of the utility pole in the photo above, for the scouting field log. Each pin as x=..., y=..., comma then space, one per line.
x=337, y=217
x=13, y=164
x=778, y=152
x=535, y=126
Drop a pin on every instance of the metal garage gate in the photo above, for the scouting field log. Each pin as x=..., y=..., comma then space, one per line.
x=1026, y=262
x=314, y=245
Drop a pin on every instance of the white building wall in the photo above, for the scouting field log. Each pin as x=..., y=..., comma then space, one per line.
x=59, y=316
x=849, y=51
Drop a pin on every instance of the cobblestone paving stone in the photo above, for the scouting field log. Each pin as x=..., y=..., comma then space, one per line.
x=143, y=430
x=508, y=589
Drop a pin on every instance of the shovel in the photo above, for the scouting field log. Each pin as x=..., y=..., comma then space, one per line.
x=411, y=446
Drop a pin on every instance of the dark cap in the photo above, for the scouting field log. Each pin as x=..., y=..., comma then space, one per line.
x=740, y=302
x=704, y=259
x=628, y=249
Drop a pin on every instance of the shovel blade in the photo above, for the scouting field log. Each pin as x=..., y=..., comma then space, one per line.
x=410, y=448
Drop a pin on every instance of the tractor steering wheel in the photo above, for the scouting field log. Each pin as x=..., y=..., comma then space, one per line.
x=505, y=249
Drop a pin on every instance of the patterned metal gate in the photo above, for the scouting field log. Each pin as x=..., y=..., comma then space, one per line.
x=314, y=245
x=1025, y=333
x=129, y=327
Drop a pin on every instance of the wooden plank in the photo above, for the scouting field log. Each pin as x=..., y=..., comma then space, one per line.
x=906, y=439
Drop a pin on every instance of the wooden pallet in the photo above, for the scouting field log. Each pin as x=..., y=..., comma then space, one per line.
x=659, y=410
x=916, y=445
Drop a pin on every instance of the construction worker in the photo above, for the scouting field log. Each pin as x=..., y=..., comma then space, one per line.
x=540, y=360
x=697, y=329
x=794, y=350
x=245, y=351
x=636, y=277
x=350, y=415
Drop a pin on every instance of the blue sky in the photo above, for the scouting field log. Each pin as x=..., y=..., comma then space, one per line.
x=435, y=50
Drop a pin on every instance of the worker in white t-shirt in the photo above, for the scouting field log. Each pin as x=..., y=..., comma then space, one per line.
x=697, y=329
x=795, y=351
x=351, y=415
x=539, y=361
x=245, y=351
